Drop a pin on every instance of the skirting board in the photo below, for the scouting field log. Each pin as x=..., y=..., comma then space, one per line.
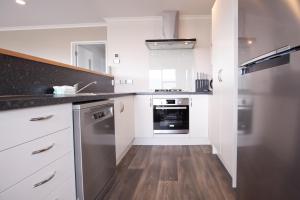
x=118, y=160
x=170, y=141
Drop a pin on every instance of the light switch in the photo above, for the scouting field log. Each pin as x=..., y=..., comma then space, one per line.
x=116, y=59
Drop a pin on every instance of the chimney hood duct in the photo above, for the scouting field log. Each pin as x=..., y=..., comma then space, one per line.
x=170, y=34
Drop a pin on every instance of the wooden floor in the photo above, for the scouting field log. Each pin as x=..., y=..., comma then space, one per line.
x=171, y=173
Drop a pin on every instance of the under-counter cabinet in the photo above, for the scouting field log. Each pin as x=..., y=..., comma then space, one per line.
x=37, y=153
x=124, y=125
x=143, y=115
x=199, y=117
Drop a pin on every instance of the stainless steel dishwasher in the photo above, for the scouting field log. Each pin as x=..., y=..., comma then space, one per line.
x=95, y=158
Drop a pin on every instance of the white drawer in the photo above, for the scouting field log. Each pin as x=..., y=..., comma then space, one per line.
x=19, y=126
x=65, y=191
x=41, y=184
x=19, y=162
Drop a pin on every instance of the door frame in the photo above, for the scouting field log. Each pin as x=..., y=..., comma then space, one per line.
x=73, y=49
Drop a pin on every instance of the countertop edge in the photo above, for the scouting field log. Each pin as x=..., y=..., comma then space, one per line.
x=22, y=103
x=13, y=103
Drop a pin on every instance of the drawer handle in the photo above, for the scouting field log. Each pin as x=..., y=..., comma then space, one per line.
x=45, y=181
x=41, y=118
x=43, y=150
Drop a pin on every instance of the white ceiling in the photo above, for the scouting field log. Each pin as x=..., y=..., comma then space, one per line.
x=54, y=12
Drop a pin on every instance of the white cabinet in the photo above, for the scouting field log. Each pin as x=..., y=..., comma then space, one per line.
x=143, y=110
x=124, y=125
x=223, y=106
x=61, y=194
x=37, y=155
x=43, y=182
x=199, y=116
x=26, y=155
x=29, y=124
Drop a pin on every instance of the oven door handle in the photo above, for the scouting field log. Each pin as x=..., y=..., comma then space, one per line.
x=170, y=108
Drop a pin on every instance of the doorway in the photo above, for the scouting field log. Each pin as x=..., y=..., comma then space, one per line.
x=89, y=55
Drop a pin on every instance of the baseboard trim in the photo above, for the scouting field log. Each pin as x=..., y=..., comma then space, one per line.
x=171, y=141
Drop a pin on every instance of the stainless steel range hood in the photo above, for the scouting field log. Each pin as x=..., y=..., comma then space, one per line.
x=170, y=34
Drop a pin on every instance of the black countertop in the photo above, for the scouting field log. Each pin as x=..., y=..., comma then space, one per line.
x=26, y=101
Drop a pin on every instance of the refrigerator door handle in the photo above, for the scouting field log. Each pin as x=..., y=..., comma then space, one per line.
x=274, y=58
x=273, y=54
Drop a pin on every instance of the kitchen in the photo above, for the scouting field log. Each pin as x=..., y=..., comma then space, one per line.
x=148, y=100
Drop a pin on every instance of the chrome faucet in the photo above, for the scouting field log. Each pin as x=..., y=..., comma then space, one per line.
x=76, y=86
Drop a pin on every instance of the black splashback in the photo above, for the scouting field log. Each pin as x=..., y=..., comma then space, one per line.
x=20, y=76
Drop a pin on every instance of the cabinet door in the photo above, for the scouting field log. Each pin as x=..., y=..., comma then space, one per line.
x=199, y=116
x=41, y=183
x=216, y=99
x=124, y=125
x=31, y=123
x=224, y=59
x=143, y=116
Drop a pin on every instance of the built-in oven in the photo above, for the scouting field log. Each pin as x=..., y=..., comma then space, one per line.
x=171, y=116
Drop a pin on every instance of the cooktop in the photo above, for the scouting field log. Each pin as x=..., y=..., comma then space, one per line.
x=168, y=90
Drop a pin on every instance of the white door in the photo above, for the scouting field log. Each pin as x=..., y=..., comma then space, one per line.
x=90, y=55
x=224, y=59
x=216, y=99
x=84, y=57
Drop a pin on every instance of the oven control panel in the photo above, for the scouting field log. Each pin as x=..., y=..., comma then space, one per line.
x=170, y=102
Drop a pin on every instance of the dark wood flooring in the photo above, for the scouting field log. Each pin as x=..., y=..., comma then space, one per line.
x=171, y=173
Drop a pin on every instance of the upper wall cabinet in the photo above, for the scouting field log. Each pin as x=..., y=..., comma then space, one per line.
x=224, y=101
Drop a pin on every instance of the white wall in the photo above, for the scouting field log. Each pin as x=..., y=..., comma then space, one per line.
x=127, y=36
x=53, y=44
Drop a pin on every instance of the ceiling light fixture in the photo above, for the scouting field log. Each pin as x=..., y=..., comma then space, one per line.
x=21, y=2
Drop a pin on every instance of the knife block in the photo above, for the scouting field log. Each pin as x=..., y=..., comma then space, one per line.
x=202, y=85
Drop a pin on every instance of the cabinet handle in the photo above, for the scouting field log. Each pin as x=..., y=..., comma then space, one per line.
x=191, y=100
x=43, y=150
x=41, y=118
x=151, y=102
x=45, y=181
x=220, y=75
x=122, y=108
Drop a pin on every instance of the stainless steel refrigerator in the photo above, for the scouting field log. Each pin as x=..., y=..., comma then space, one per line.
x=269, y=100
